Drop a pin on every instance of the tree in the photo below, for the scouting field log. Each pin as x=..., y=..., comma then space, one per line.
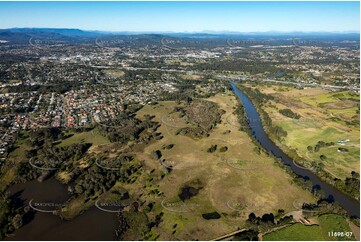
x=212, y=149
x=157, y=154
x=79, y=189
x=17, y=221
x=355, y=175
x=252, y=217
x=268, y=218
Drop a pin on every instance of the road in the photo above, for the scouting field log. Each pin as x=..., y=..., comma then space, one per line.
x=306, y=84
x=223, y=76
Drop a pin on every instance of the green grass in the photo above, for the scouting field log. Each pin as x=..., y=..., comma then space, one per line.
x=315, y=100
x=328, y=97
x=19, y=152
x=334, y=223
x=92, y=136
x=301, y=134
x=296, y=232
x=339, y=163
x=22, y=146
x=241, y=162
x=328, y=223
x=347, y=112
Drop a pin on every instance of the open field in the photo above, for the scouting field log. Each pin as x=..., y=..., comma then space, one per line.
x=327, y=223
x=233, y=190
x=92, y=136
x=20, y=147
x=114, y=73
x=334, y=223
x=324, y=117
x=296, y=232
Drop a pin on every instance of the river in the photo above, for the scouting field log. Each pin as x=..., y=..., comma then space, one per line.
x=351, y=205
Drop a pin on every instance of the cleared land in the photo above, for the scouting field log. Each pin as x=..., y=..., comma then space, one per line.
x=114, y=73
x=227, y=188
x=325, y=116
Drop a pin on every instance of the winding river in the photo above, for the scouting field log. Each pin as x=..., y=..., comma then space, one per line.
x=351, y=205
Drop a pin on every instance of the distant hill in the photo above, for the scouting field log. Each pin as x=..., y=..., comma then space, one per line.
x=23, y=35
x=12, y=37
x=55, y=31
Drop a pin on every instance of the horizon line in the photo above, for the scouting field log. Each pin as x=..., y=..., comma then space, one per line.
x=194, y=32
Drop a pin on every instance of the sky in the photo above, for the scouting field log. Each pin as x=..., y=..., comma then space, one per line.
x=184, y=16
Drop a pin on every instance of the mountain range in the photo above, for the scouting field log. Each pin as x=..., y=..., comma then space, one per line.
x=22, y=35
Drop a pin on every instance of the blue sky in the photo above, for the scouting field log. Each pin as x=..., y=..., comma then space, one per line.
x=184, y=16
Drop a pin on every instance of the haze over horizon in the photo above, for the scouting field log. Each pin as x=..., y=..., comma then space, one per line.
x=190, y=17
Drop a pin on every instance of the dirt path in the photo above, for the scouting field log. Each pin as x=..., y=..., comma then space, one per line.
x=355, y=230
x=228, y=235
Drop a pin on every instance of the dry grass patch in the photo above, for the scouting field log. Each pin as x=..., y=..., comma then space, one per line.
x=261, y=189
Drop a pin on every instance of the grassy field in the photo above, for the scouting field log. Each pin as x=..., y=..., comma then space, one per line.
x=114, y=73
x=21, y=147
x=327, y=223
x=225, y=186
x=14, y=157
x=296, y=232
x=323, y=118
x=334, y=223
x=92, y=136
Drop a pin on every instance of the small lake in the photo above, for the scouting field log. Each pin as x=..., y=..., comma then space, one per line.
x=93, y=224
